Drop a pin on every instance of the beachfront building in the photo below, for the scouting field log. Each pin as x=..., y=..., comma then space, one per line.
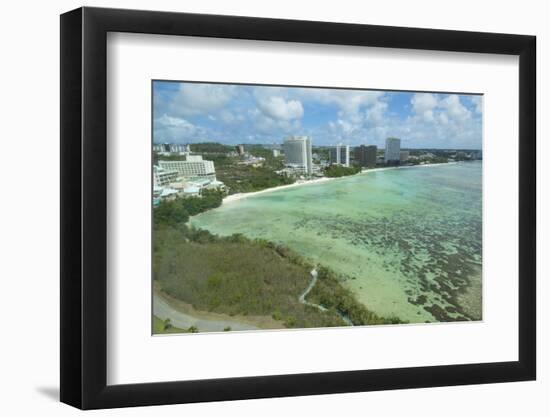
x=392, y=152
x=171, y=148
x=162, y=177
x=297, y=151
x=403, y=156
x=365, y=156
x=339, y=155
x=193, y=167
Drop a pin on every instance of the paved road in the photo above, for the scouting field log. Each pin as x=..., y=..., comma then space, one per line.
x=163, y=310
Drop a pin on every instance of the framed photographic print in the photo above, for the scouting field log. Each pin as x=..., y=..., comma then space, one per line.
x=258, y=207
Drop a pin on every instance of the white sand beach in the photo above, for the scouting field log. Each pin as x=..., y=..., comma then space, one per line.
x=299, y=183
x=239, y=196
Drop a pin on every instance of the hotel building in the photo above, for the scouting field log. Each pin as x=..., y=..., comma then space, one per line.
x=339, y=155
x=194, y=167
x=393, y=149
x=171, y=148
x=240, y=149
x=365, y=156
x=163, y=177
x=298, y=153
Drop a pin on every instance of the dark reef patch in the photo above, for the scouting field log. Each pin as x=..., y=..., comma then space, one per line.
x=433, y=254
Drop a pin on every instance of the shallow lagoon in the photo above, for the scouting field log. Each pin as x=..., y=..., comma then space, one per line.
x=408, y=241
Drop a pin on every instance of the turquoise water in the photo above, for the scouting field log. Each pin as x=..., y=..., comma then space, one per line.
x=407, y=241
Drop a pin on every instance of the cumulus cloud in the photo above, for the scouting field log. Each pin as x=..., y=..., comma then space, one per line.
x=229, y=118
x=174, y=129
x=477, y=102
x=273, y=126
x=348, y=101
x=169, y=121
x=454, y=108
x=192, y=99
x=443, y=121
x=423, y=105
x=431, y=120
x=280, y=109
x=375, y=115
x=356, y=112
x=422, y=102
x=265, y=114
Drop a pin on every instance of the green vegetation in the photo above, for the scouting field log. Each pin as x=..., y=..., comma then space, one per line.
x=322, y=152
x=230, y=170
x=329, y=293
x=259, y=150
x=246, y=179
x=341, y=171
x=242, y=178
x=165, y=327
x=179, y=210
x=211, y=147
x=239, y=276
x=236, y=275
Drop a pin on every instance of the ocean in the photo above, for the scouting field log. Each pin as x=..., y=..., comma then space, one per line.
x=407, y=241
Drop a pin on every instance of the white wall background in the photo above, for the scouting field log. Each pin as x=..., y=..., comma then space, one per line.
x=29, y=224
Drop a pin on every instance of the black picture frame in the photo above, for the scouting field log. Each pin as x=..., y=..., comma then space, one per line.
x=84, y=207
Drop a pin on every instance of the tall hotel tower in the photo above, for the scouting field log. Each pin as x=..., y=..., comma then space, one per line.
x=298, y=153
x=339, y=155
x=393, y=149
x=365, y=156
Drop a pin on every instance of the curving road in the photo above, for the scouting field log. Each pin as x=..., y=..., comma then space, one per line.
x=163, y=310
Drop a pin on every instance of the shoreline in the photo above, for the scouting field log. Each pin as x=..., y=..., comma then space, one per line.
x=401, y=314
x=239, y=196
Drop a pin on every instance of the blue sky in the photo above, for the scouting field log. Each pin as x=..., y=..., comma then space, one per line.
x=232, y=114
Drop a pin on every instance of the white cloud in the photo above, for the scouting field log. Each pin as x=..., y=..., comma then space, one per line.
x=230, y=118
x=192, y=99
x=422, y=102
x=423, y=105
x=169, y=121
x=442, y=121
x=433, y=120
x=477, y=102
x=348, y=101
x=174, y=129
x=280, y=109
x=454, y=108
x=267, y=114
x=271, y=126
x=375, y=114
x=357, y=111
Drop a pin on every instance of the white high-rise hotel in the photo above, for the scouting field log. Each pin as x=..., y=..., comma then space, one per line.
x=339, y=155
x=298, y=153
x=393, y=149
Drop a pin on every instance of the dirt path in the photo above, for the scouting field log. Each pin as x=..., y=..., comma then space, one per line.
x=302, y=298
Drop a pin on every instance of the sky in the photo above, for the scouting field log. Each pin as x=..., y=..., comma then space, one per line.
x=185, y=112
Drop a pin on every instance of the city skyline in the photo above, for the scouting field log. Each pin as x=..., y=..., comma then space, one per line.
x=230, y=114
